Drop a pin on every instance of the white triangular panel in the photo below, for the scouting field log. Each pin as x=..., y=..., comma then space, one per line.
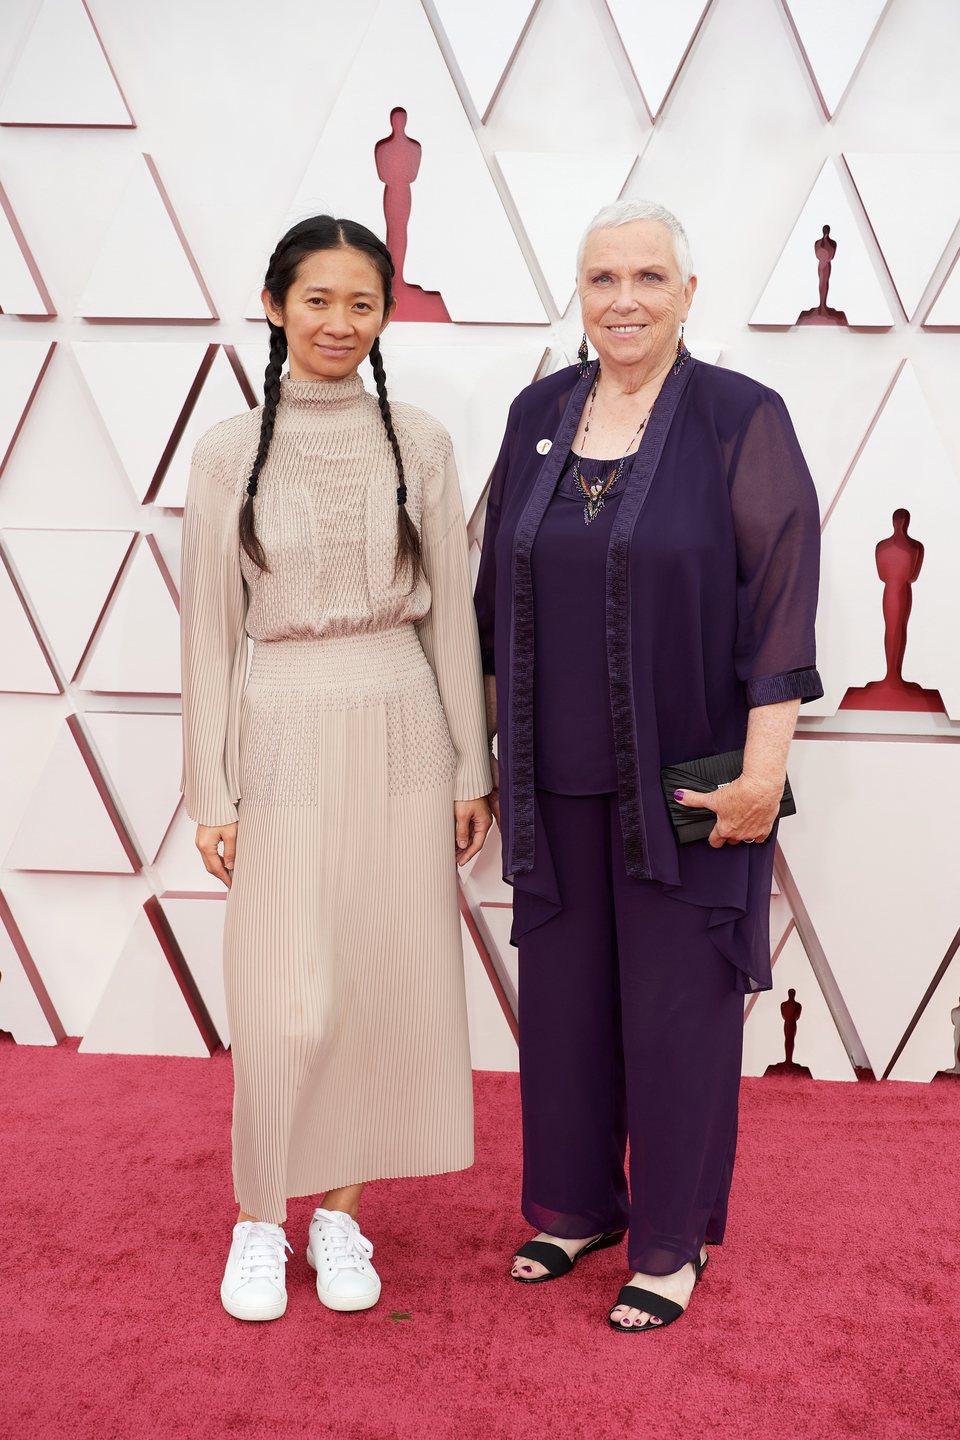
x=66, y=826
x=67, y=576
x=21, y=1013
x=22, y=367
x=866, y=850
x=144, y=270
x=141, y=756
x=253, y=356
x=484, y=277
x=140, y=388
x=62, y=75
x=780, y=918
x=945, y=309
x=833, y=38
x=75, y=927
x=932, y=1045
x=657, y=39
x=854, y=287
x=484, y=39
x=831, y=416
x=495, y=922
x=197, y=923
x=903, y=464
x=22, y=291
x=220, y=398
x=818, y=1043
x=492, y=1046
x=142, y=1010
x=541, y=185
x=137, y=648
x=469, y=388
x=23, y=666
x=179, y=864
x=925, y=187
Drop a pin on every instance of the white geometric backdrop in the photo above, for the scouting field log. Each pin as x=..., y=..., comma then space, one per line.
x=150, y=155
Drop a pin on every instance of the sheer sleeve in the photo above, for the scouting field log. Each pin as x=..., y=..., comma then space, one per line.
x=484, y=597
x=448, y=632
x=213, y=648
x=777, y=524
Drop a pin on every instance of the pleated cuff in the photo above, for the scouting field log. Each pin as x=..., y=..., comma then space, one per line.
x=474, y=780
x=799, y=685
x=209, y=809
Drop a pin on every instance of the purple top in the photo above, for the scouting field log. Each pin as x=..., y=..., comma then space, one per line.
x=711, y=577
x=572, y=720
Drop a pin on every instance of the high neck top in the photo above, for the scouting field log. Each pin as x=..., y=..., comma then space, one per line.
x=326, y=515
x=321, y=395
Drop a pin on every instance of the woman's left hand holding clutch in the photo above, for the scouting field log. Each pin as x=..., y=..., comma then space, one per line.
x=746, y=809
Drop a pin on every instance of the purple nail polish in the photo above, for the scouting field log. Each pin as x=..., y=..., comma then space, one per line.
x=678, y=794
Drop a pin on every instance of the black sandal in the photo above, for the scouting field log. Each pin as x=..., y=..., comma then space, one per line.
x=555, y=1260
x=665, y=1310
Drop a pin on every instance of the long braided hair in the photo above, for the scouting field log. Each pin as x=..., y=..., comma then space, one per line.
x=323, y=232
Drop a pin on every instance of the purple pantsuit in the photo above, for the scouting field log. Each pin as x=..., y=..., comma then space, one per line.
x=639, y=641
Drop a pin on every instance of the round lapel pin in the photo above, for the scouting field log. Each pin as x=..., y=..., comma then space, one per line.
x=544, y=447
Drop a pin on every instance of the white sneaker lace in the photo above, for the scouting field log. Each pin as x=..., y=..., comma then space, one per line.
x=262, y=1256
x=346, y=1246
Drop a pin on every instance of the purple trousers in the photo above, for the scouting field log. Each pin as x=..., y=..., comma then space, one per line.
x=631, y=1027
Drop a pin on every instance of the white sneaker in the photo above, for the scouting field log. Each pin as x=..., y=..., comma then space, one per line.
x=254, y=1282
x=341, y=1257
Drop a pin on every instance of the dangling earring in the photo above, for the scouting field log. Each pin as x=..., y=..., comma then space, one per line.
x=682, y=353
x=584, y=355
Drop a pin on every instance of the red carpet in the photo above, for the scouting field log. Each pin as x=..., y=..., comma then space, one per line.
x=830, y=1312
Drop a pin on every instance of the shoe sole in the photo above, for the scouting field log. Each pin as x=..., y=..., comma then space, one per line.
x=343, y=1303
x=246, y=1312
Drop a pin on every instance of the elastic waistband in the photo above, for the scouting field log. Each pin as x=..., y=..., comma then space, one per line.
x=364, y=660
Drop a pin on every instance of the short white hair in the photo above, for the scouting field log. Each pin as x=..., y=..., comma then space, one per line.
x=622, y=212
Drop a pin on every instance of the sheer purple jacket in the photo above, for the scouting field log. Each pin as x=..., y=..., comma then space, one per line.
x=711, y=593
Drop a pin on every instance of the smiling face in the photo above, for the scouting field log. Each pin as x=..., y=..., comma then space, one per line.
x=331, y=314
x=632, y=295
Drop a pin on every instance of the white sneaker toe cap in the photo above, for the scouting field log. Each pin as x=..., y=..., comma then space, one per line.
x=254, y=1300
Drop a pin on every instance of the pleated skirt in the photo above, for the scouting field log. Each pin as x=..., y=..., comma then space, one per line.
x=342, y=952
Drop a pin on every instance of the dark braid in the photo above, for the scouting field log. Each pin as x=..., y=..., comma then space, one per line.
x=271, y=399
x=408, y=541
x=323, y=232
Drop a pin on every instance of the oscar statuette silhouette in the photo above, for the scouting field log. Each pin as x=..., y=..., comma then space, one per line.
x=899, y=561
x=954, y=1073
x=397, y=158
x=791, y=1010
x=825, y=248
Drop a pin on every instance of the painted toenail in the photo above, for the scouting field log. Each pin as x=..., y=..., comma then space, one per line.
x=528, y=1268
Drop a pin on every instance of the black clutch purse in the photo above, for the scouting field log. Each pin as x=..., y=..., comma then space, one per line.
x=704, y=775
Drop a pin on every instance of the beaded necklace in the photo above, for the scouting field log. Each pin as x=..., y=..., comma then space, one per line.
x=598, y=491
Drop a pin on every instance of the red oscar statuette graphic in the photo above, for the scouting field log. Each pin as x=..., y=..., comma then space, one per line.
x=825, y=248
x=899, y=560
x=791, y=1010
x=953, y=1074
x=398, y=162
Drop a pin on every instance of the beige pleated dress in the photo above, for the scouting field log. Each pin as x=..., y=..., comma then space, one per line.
x=341, y=755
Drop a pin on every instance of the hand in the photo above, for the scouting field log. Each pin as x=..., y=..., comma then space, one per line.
x=494, y=797
x=473, y=820
x=209, y=840
x=745, y=809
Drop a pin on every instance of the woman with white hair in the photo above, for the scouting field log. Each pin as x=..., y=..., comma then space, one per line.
x=646, y=599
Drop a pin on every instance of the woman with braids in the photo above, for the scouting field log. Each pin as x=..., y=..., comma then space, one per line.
x=334, y=786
